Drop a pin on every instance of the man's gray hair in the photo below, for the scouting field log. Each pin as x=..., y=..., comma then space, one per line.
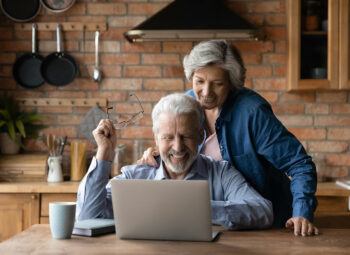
x=216, y=52
x=177, y=103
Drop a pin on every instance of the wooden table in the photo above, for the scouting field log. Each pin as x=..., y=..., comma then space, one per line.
x=37, y=240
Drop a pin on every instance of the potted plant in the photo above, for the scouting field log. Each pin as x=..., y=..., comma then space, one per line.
x=15, y=124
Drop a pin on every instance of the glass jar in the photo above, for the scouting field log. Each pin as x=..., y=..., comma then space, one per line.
x=118, y=161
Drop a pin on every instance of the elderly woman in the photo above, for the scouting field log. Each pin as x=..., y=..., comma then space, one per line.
x=242, y=129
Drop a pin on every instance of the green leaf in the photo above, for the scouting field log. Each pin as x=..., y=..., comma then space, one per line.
x=11, y=131
x=20, y=127
x=5, y=114
x=2, y=122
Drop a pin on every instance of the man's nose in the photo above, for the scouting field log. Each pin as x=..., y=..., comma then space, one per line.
x=178, y=144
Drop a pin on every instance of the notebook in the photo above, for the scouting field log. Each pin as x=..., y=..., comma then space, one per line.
x=93, y=227
x=162, y=210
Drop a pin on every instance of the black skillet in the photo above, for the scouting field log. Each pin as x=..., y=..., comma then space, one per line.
x=59, y=68
x=20, y=10
x=26, y=70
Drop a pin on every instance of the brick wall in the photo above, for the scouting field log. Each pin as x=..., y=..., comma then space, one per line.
x=319, y=119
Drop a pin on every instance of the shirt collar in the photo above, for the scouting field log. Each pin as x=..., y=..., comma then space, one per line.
x=197, y=168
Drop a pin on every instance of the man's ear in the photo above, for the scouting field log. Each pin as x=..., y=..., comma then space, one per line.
x=155, y=139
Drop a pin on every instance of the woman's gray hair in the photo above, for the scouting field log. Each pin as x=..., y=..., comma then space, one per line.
x=177, y=103
x=216, y=52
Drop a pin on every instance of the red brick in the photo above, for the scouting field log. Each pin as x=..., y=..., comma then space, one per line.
x=13, y=46
x=255, y=19
x=164, y=84
x=142, y=71
x=340, y=108
x=288, y=109
x=270, y=84
x=338, y=159
x=338, y=134
x=51, y=46
x=111, y=96
x=317, y=108
x=149, y=47
x=111, y=71
x=328, y=146
x=264, y=7
x=114, y=59
x=7, y=58
x=332, y=120
x=106, y=8
x=281, y=47
x=145, y=8
x=259, y=71
x=113, y=34
x=275, y=33
x=71, y=119
x=6, y=33
x=275, y=19
x=305, y=97
x=295, y=120
x=150, y=96
x=254, y=46
x=121, y=84
x=272, y=97
x=69, y=131
x=177, y=47
x=6, y=71
x=130, y=108
x=55, y=109
x=309, y=133
x=137, y=132
x=273, y=58
x=105, y=46
x=67, y=94
x=329, y=97
x=76, y=9
x=125, y=21
x=251, y=59
x=7, y=84
x=86, y=19
x=173, y=71
x=161, y=59
x=279, y=71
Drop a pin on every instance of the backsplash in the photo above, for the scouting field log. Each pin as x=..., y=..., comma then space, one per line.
x=321, y=120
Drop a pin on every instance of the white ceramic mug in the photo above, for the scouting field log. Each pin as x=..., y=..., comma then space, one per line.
x=55, y=169
x=62, y=217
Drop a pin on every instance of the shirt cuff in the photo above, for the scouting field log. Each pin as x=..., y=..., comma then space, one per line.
x=102, y=167
x=303, y=209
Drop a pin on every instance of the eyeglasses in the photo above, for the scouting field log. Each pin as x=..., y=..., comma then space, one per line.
x=132, y=120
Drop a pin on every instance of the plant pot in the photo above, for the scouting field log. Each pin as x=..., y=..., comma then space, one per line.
x=8, y=146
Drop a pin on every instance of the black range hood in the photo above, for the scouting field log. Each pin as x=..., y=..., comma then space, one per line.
x=193, y=20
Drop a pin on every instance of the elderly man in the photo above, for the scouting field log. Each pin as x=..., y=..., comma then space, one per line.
x=177, y=121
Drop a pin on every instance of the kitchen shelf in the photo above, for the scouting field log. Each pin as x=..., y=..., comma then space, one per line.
x=88, y=102
x=66, y=26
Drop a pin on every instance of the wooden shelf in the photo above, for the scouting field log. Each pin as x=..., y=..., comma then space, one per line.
x=66, y=26
x=88, y=102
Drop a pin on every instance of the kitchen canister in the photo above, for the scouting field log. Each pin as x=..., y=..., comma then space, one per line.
x=78, y=151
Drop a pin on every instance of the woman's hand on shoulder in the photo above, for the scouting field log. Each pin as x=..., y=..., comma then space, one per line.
x=148, y=157
x=301, y=226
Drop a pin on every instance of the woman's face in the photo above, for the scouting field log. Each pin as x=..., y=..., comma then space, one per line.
x=211, y=86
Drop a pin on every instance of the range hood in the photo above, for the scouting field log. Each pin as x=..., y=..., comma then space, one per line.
x=193, y=20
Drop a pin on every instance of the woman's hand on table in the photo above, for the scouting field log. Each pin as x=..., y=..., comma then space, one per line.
x=301, y=226
x=148, y=157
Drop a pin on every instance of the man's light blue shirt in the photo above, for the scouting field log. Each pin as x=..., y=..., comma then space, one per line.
x=235, y=204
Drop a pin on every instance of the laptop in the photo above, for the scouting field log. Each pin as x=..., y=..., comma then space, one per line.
x=162, y=210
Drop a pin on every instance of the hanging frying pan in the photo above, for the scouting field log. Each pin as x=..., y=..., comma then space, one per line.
x=59, y=68
x=57, y=5
x=20, y=10
x=26, y=70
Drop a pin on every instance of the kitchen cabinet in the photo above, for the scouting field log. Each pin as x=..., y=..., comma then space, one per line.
x=25, y=204
x=318, y=44
x=17, y=212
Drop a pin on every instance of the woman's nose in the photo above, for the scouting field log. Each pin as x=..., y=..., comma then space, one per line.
x=207, y=89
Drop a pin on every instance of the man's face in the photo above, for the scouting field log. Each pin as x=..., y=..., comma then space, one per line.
x=177, y=138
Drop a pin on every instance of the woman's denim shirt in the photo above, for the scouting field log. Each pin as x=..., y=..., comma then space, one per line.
x=272, y=160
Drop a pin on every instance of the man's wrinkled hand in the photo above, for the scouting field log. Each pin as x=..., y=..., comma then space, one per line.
x=301, y=226
x=106, y=139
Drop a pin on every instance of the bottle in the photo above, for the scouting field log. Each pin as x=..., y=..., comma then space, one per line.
x=118, y=160
x=312, y=21
x=138, y=149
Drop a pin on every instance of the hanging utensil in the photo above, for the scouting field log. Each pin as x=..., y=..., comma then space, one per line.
x=97, y=74
x=26, y=69
x=20, y=10
x=59, y=68
x=57, y=6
